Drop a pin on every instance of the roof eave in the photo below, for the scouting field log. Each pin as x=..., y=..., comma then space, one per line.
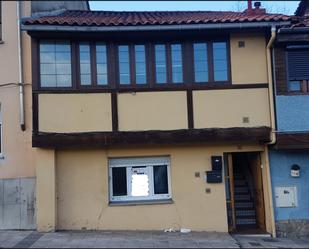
x=71, y=28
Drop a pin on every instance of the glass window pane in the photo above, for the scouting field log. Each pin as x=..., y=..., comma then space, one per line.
x=63, y=80
x=140, y=64
x=101, y=56
x=119, y=180
x=85, y=79
x=63, y=57
x=47, y=46
x=160, y=179
x=63, y=69
x=102, y=79
x=201, y=76
x=124, y=79
x=55, y=64
x=48, y=80
x=101, y=68
x=84, y=47
x=124, y=65
x=63, y=46
x=220, y=61
x=220, y=75
x=47, y=57
x=177, y=75
x=85, y=69
x=295, y=86
x=85, y=64
x=200, y=62
x=48, y=68
x=160, y=54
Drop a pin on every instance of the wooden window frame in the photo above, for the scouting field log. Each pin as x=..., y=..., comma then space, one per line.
x=73, y=67
x=112, y=54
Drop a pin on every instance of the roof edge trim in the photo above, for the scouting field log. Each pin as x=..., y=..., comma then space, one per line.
x=71, y=28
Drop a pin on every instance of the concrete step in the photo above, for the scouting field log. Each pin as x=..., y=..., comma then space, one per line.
x=245, y=221
x=247, y=204
x=240, y=183
x=240, y=190
x=245, y=212
x=243, y=197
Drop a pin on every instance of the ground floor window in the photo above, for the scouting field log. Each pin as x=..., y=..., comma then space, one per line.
x=139, y=179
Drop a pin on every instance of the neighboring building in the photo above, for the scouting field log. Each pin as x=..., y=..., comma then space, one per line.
x=17, y=168
x=291, y=63
x=17, y=164
x=130, y=108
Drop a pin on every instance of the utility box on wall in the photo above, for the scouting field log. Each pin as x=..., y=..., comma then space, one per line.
x=286, y=197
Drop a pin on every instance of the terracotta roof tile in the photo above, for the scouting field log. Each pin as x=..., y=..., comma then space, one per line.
x=129, y=18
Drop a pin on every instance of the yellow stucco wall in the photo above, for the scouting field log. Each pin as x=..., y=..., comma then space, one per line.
x=248, y=64
x=17, y=148
x=75, y=112
x=152, y=111
x=227, y=108
x=46, y=190
x=82, y=191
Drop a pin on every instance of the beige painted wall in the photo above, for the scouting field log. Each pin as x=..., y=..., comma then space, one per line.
x=152, y=111
x=82, y=191
x=75, y=112
x=226, y=108
x=46, y=189
x=17, y=149
x=248, y=64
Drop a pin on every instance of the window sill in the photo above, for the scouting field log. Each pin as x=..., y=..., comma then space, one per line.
x=135, y=203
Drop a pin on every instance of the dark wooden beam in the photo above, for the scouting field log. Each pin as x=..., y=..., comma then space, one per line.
x=104, y=139
x=180, y=87
x=114, y=99
x=35, y=112
x=291, y=141
x=190, y=109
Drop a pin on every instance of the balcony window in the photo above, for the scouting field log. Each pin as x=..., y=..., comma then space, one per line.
x=140, y=64
x=55, y=64
x=200, y=62
x=85, y=64
x=101, y=57
x=124, y=65
x=160, y=60
x=220, y=61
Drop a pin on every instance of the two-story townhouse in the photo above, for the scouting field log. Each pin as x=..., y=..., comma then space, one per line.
x=17, y=167
x=289, y=157
x=153, y=120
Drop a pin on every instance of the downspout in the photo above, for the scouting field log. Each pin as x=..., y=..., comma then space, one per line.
x=273, y=125
x=20, y=70
x=271, y=85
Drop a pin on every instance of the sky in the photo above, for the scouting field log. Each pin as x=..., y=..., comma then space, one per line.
x=284, y=7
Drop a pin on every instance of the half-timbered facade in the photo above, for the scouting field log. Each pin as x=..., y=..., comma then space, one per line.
x=152, y=120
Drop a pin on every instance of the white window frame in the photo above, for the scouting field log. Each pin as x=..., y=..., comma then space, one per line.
x=149, y=163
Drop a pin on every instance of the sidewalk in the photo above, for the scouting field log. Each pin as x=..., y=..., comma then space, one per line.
x=125, y=239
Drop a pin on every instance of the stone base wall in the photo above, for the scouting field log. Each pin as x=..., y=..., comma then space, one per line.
x=292, y=228
x=17, y=204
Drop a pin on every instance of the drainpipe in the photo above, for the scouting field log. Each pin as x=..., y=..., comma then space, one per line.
x=271, y=85
x=271, y=97
x=20, y=70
